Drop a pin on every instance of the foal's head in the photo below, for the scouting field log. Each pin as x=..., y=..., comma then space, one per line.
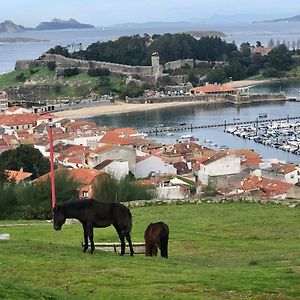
x=58, y=217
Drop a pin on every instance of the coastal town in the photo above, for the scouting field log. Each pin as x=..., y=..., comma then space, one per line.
x=181, y=170
x=149, y=150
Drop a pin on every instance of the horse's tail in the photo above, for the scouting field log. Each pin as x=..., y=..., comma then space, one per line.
x=164, y=239
x=130, y=221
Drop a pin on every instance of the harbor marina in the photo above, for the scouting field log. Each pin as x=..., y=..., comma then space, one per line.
x=284, y=135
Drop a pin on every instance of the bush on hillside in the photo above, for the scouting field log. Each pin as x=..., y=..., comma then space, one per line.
x=51, y=65
x=21, y=77
x=70, y=72
x=98, y=72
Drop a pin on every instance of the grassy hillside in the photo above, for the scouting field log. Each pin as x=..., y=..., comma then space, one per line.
x=79, y=85
x=217, y=251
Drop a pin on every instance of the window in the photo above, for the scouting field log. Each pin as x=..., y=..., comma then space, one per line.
x=85, y=194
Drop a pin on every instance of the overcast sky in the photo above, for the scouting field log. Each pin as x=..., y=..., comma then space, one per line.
x=109, y=12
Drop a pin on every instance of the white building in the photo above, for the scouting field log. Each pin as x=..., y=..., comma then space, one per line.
x=220, y=164
x=113, y=152
x=146, y=166
x=3, y=102
x=116, y=169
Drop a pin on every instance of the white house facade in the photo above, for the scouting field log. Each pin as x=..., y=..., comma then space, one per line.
x=219, y=166
x=152, y=165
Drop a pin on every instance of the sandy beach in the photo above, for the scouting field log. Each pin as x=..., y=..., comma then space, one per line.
x=121, y=107
x=118, y=107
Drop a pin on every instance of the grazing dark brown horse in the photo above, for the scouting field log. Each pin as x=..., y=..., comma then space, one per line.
x=157, y=235
x=92, y=213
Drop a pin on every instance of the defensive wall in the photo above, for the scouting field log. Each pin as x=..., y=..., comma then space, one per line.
x=155, y=70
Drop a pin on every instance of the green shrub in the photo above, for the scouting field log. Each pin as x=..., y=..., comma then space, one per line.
x=51, y=65
x=71, y=72
x=21, y=77
x=98, y=72
x=33, y=201
x=111, y=190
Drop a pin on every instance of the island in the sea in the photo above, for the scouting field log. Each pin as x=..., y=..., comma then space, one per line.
x=58, y=24
x=13, y=40
x=55, y=24
x=290, y=19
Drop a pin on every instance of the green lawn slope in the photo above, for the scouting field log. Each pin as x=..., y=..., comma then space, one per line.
x=217, y=251
x=74, y=86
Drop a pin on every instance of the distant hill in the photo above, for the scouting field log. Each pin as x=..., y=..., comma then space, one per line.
x=9, y=26
x=291, y=19
x=57, y=24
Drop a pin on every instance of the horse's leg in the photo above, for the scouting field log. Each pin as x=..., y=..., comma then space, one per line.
x=85, y=235
x=91, y=237
x=122, y=239
x=147, y=249
x=154, y=250
x=128, y=238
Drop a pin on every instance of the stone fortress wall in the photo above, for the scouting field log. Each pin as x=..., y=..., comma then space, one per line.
x=146, y=72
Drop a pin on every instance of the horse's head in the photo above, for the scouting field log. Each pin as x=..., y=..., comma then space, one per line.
x=58, y=217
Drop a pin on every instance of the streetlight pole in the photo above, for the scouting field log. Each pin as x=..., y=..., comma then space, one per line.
x=50, y=123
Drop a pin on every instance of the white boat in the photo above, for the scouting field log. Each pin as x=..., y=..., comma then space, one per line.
x=170, y=133
x=263, y=115
x=207, y=141
x=186, y=136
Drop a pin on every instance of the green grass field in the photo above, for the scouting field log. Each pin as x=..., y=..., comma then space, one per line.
x=217, y=251
x=74, y=86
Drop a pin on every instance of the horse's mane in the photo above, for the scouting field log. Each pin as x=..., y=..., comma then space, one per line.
x=75, y=204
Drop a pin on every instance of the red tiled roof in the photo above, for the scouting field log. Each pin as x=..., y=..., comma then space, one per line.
x=14, y=120
x=262, y=50
x=213, y=88
x=215, y=157
x=74, y=160
x=251, y=161
x=84, y=176
x=199, y=161
x=103, y=164
x=17, y=175
x=114, y=138
x=288, y=169
x=103, y=148
x=125, y=131
x=76, y=150
x=269, y=187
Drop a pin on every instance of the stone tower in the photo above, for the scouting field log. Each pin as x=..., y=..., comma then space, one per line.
x=156, y=67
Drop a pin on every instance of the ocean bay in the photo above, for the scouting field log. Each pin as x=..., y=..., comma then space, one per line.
x=238, y=33
x=170, y=117
x=204, y=115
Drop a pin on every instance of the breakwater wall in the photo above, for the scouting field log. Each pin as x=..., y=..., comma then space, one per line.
x=239, y=99
x=235, y=99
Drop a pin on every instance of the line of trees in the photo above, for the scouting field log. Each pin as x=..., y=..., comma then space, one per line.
x=137, y=50
x=244, y=63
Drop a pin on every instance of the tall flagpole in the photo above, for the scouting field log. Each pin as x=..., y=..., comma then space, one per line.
x=50, y=122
